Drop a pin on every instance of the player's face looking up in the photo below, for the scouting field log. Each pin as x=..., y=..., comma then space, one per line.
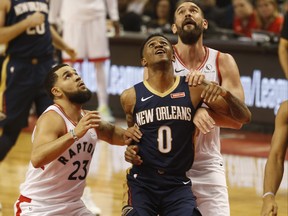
x=156, y=50
x=71, y=85
x=189, y=22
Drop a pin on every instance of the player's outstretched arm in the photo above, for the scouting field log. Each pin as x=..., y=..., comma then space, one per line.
x=59, y=43
x=114, y=134
x=275, y=163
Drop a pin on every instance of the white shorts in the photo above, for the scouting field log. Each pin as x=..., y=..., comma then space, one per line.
x=211, y=200
x=209, y=186
x=88, y=38
x=27, y=207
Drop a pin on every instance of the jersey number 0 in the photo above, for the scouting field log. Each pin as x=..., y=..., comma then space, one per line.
x=164, y=139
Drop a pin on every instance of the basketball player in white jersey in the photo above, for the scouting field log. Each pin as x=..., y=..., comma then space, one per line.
x=64, y=140
x=84, y=26
x=207, y=173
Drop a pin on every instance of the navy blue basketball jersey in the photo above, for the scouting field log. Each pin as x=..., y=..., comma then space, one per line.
x=166, y=121
x=34, y=42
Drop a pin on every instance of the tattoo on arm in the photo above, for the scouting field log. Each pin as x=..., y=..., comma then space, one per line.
x=238, y=109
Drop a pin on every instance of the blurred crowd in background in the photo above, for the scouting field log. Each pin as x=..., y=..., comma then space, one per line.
x=235, y=18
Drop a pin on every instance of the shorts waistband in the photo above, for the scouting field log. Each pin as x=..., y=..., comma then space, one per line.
x=157, y=171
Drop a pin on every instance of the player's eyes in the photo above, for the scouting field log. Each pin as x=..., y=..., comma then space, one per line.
x=151, y=45
x=67, y=76
x=180, y=12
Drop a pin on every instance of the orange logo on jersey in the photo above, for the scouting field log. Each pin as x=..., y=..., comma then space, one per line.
x=177, y=95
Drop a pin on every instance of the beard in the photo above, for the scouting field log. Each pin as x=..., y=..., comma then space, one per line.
x=79, y=97
x=191, y=36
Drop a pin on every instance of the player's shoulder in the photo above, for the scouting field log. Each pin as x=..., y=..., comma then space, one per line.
x=227, y=63
x=51, y=115
x=51, y=121
x=225, y=56
x=128, y=96
x=128, y=92
x=5, y=5
x=283, y=110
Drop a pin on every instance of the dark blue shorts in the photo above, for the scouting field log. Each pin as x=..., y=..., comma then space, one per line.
x=21, y=84
x=154, y=193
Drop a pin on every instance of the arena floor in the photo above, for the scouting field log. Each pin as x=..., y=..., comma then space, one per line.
x=245, y=154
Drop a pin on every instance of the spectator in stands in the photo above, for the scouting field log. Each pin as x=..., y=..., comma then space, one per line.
x=245, y=17
x=223, y=3
x=130, y=12
x=270, y=18
x=217, y=16
x=136, y=6
x=283, y=44
x=163, y=18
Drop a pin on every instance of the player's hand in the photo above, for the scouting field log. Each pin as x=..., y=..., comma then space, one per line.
x=35, y=19
x=203, y=121
x=116, y=26
x=91, y=119
x=131, y=155
x=212, y=91
x=194, y=78
x=132, y=134
x=269, y=207
x=72, y=53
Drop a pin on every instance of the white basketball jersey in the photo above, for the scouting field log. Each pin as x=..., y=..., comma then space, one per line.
x=207, y=147
x=62, y=180
x=86, y=10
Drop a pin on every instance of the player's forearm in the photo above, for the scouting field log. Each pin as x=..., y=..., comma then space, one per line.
x=118, y=136
x=224, y=121
x=57, y=40
x=238, y=109
x=111, y=133
x=273, y=175
x=8, y=33
x=43, y=154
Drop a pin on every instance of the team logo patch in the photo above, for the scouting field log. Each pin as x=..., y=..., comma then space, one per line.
x=177, y=95
x=208, y=69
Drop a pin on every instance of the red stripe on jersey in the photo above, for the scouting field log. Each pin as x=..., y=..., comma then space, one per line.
x=20, y=200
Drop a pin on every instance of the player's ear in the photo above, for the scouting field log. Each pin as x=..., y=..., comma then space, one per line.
x=205, y=24
x=174, y=29
x=173, y=57
x=143, y=62
x=56, y=91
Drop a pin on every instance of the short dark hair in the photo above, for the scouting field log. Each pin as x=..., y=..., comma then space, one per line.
x=51, y=78
x=148, y=38
x=196, y=2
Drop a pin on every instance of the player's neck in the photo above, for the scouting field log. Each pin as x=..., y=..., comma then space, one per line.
x=161, y=82
x=191, y=55
x=73, y=111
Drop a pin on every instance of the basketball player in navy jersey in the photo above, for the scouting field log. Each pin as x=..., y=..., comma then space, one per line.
x=191, y=57
x=63, y=142
x=163, y=107
x=24, y=28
